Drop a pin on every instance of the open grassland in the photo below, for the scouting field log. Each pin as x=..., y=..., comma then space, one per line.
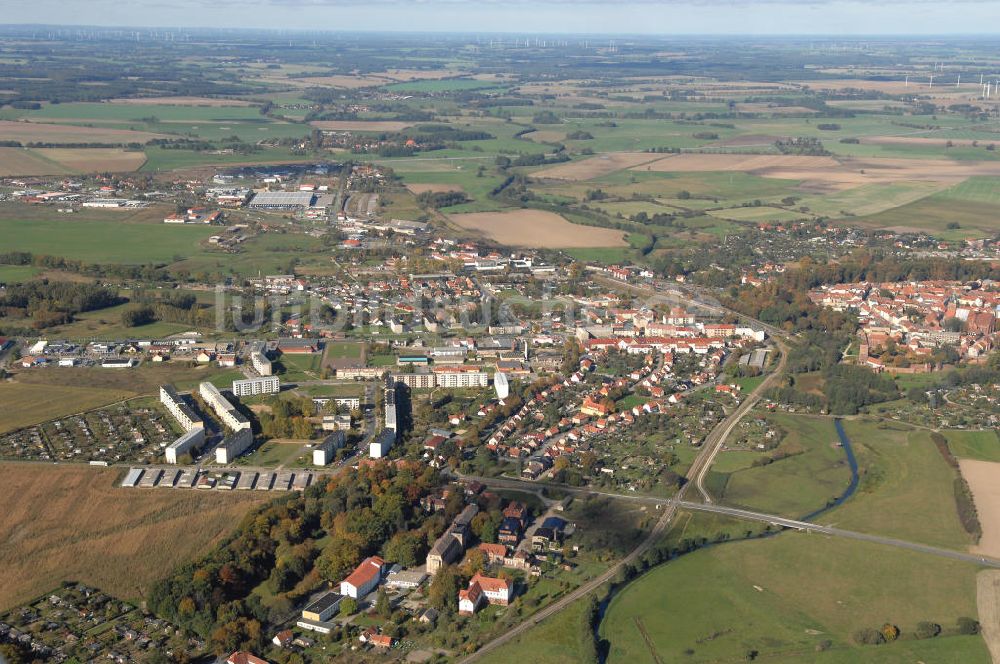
x=89, y=160
x=12, y=274
x=977, y=445
x=906, y=489
x=933, y=214
x=63, y=523
x=537, y=229
x=787, y=597
x=868, y=199
x=814, y=471
x=26, y=404
x=981, y=477
x=144, y=379
x=759, y=213
x=558, y=640
x=38, y=132
x=112, y=240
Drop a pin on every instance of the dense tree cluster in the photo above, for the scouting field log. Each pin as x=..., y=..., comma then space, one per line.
x=54, y=303
x=294, y=545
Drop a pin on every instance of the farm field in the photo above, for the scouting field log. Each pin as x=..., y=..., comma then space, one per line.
x=73, y=523
x=933, y=214
x=25, y=404
x=537, y=229
x=981, y=477
x=766, y=595
x=67, y=161
x=44, y=132
x=906, y=489
x=759, y=213
x=360, y=125
x=594, y=167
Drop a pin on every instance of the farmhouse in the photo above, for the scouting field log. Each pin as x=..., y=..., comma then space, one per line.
x=484, y=589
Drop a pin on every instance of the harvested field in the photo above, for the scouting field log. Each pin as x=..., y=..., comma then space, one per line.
x=827, y=173
x=346, y=81
x=988, y=605
x=360, y=125
x=750, y=163
x=19, y=161
x=92, y=160
x=434, y=187
x=982, y=477
x=44, y=132
x=73, y=523
x=598, y=166
x=538, y=229
x=924, y=140
x=180, y=101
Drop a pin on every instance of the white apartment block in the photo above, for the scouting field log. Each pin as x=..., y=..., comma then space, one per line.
x=260, y=363
x=178, y=409
x=249, y=387
x=447, y=377
x=225, y=410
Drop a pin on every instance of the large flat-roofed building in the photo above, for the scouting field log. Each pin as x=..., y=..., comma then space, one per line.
x=249, y=387
x=323, y=608
x=187, y=442
x=233, y=445
x=222, y=407
x=180, y=411
x=323, y=453
x=462, y=376
x=261, y=364
x=282, y=200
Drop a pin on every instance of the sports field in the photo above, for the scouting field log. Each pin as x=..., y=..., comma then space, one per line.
x=73, y=523
x=793, y=598
x=537, y=229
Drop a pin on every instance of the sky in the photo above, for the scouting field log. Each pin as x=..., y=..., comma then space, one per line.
x=662, y=17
